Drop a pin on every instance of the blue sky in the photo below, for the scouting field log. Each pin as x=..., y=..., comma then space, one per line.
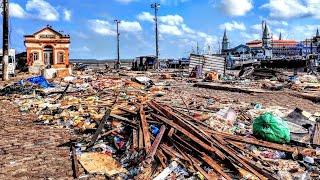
x=182, y=23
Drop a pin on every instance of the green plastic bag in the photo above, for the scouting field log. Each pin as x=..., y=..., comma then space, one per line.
x=271, y=128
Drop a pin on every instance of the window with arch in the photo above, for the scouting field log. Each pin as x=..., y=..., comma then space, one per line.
x=60, y=57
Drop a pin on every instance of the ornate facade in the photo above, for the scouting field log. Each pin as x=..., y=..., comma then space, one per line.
x=48, y=48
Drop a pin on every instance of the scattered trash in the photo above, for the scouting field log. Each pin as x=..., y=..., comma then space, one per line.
x=308, y=159
x=40, y=81
x=100, y=163
x=146, y=128
x=165, y=173
x=145, y=81
x=227, y=114
x=166, y=76
x=271, y=128
x=212, y=76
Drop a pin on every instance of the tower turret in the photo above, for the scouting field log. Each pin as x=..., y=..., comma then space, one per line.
x=266, y=37
x=225, y=42
x=280, y=36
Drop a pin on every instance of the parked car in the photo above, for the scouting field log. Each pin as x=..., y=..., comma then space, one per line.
x=80, y=67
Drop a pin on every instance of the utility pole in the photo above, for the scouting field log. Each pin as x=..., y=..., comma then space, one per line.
x=118, y=63
x=5, y=42
x=156, y=7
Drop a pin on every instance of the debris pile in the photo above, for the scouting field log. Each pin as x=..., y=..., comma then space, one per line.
x=134, y=128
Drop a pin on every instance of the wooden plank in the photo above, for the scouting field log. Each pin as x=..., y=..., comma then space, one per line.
x=125, y=109
x=202, y=171
x=63, y=93
x=145, y=130
x=135, y=138
x=171, y=152
x=75, y=167
x=100, y=127
x=215, y=166
x=257, y=142
x=316, y=134
x=223, y=87
x=140, y=139
x=155, y=145
x=312, y=97
x=191, y=136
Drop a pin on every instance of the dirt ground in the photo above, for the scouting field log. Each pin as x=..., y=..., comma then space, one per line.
x=275, y=98
x=29, y=151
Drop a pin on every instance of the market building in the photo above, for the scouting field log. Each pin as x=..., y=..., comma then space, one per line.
x=270, y=48
x=47, y=49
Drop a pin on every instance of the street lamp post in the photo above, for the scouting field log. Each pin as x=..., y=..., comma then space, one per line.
x=156, y=7
x=118, y=63
x=5, y=42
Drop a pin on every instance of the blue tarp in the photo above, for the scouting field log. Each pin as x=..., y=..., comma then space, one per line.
x=41, y=81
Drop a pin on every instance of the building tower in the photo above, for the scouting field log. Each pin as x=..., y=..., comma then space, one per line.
x=280, y=36
x=266, y=42
x=316, y=42
x=225, y=42
x=266, y=37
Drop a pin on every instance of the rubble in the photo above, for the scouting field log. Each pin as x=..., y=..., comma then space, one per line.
x=138, y=127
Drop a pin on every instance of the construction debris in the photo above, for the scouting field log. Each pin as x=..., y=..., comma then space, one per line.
x=100, y=163
x=137, y=127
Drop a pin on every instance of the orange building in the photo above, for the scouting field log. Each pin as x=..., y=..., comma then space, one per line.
x=274, y=43
x=280, y=47
x=47, y=49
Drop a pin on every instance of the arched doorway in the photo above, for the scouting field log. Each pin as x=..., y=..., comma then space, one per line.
x=48, y=55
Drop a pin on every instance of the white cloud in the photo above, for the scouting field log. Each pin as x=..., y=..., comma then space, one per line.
x=107, y=28
x=303, y=31
x=234, y=25
x=250, y=36
x=45, y=10
x=236, y=7
x=130, y=26
x=38, y=9
x=173, y=25
x=277, y=23
x=257, y=27
x=102, y=27
x=67, y=14
x=170, y=29
x=145, y=16
x=209, y=40
x=295, y=31
x=186, y=29
x=17, y=11
x=171, y=19
x=286, y=9
x=168, y=19
x=169, y=24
